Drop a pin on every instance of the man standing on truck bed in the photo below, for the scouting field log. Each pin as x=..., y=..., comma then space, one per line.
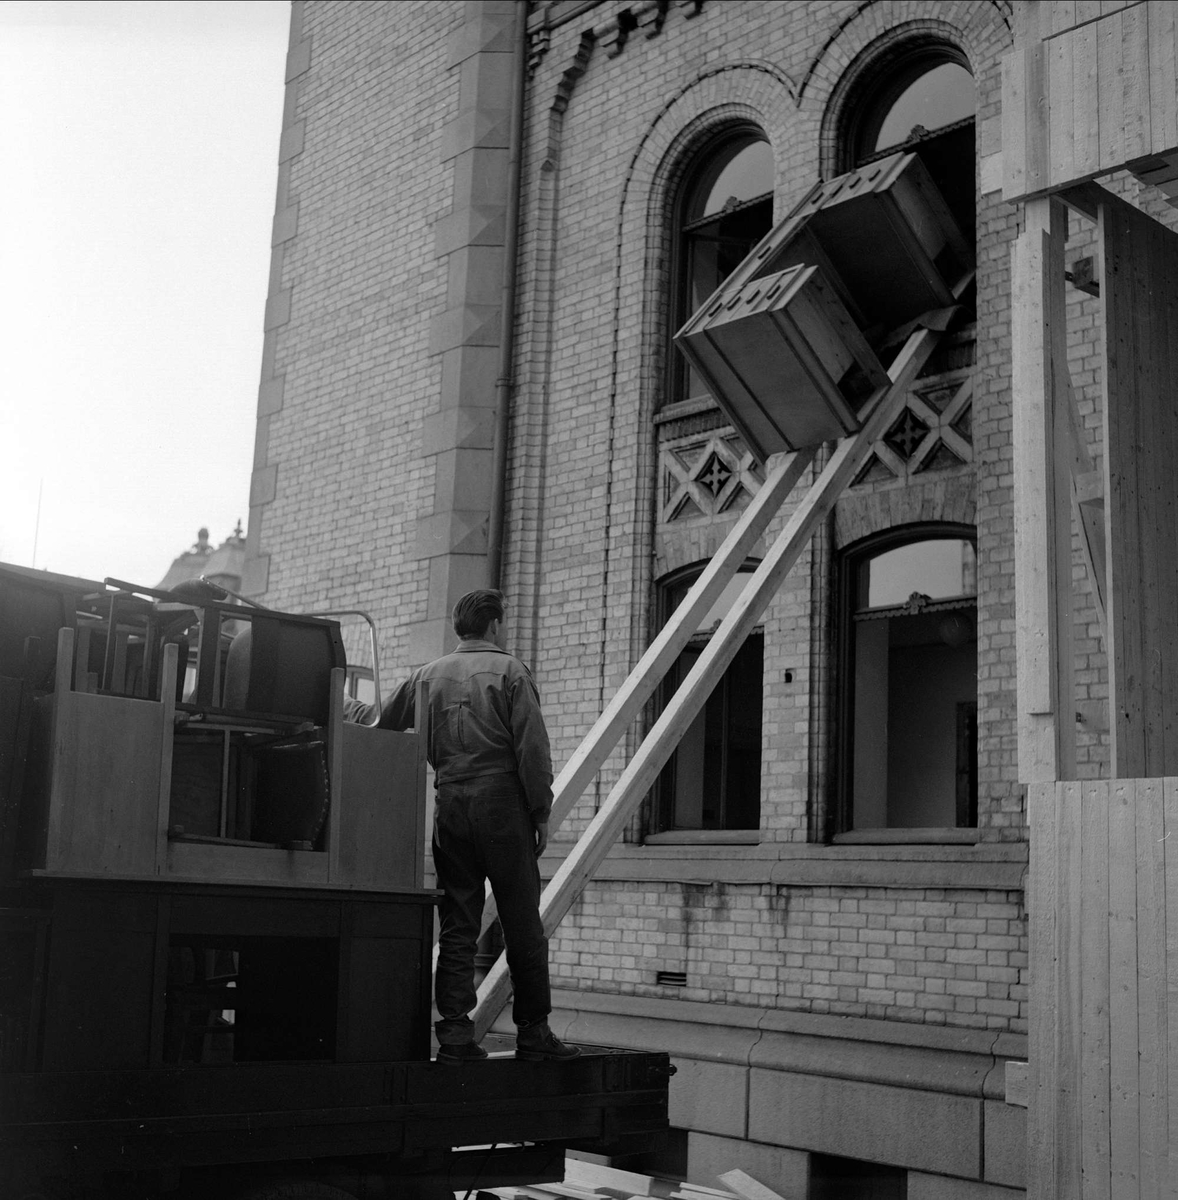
x=493, y=774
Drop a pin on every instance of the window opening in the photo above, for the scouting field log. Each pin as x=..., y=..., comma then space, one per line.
x=713, y=780
x=910, y=704
x=360, y=685
x=725, y=209
x=925, y=103
x=936, y=99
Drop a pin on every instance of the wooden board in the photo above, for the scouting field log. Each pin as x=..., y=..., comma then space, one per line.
x=381, y=832
x=1124, y=1112
x=1042, y=524
x=1140, y=307
x=105, y=792
x=1042, y=906
x=1094, y=1016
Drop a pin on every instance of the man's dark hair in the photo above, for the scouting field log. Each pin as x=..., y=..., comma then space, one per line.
x=475, y=611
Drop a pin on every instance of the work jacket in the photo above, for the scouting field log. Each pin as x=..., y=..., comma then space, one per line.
x=484, y=719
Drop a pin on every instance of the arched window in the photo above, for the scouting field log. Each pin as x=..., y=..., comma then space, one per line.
x=713, y=780
x=724, y=209
x=921, y=99
x=909, y=674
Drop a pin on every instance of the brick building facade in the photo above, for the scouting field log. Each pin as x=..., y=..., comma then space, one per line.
x=841, y=992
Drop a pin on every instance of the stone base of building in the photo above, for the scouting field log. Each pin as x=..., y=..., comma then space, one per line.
x=779, y=1093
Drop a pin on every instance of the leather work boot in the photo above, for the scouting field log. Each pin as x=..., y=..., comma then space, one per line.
x=462, y=1052
x=536, y=1043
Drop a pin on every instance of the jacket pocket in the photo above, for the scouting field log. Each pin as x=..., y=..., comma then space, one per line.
x=450, y=731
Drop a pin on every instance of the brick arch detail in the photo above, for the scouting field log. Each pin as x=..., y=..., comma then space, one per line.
x=943, y=498
x=749, y=92
x=977, y=21
x=981, y=29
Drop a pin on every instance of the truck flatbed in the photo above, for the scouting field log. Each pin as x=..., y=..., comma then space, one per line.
x=190, y=1117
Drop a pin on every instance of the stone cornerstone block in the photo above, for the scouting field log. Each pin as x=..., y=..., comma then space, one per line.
x=1006, y=1144
x=709, y=1096
x=925, y=1130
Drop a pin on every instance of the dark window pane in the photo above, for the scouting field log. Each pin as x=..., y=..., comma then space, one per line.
x=911, y=679
x=740, y=172
x=711, y=252
x=726, y=208
x=937, y=98
x=941, y=569
x=713, y=780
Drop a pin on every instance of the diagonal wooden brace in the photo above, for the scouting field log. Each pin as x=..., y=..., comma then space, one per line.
x=643, y=769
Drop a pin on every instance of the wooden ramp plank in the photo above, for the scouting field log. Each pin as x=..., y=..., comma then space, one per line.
x=642, y=770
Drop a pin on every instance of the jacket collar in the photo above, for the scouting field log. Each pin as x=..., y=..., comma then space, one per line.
x=477, y=646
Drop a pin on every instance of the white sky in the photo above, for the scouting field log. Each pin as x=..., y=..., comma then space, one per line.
x=139, y=143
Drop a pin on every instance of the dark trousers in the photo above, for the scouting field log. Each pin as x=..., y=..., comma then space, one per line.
x=482, y=831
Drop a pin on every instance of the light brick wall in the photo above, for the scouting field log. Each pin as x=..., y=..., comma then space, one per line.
x=362, y=281
x=946, y=958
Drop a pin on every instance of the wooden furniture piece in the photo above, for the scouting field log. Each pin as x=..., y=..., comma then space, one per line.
x=121, y=786
x=783, y=352
x=788, y=343
x=882, y=236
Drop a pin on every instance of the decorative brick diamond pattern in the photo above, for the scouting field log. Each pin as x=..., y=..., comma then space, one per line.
x=706, y=476
x=932, y=433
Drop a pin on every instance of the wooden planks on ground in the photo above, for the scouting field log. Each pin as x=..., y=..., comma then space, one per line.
x=584, y=1180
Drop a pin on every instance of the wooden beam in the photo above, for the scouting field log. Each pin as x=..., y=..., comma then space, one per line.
x=1042, y=497
x=1095, y=988
x=643, y=769
x=1042, y=911
x=1139, y=299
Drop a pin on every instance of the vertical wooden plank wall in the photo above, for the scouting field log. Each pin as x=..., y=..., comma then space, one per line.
x=1100, y=90
x=1139, y=297
x=1103, y=898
